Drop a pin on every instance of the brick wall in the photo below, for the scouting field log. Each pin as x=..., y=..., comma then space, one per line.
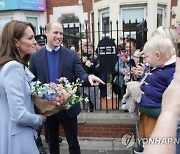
x=87, y=5
x=103, y=130
x=102, y=125
x=174, y=2
x=97, y=0
x=55, y=3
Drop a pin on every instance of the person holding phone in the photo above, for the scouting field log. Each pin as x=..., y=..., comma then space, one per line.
x=138, y=67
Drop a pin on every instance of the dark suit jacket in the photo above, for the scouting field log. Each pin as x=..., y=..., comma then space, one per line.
x=69, y=66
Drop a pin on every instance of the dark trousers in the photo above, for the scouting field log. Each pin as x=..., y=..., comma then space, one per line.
x=38, y=140
x=70, y=129
x=103, y=88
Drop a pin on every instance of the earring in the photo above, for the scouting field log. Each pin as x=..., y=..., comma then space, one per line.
x=18, y=48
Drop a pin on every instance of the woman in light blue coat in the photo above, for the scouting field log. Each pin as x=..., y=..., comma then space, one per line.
x=120, y=68
x=17, y=120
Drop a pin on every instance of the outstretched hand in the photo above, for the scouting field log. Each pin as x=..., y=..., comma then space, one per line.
x=171, y=96
x=94, y=80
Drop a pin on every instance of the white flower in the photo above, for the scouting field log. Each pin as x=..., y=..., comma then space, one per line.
x=86, y=99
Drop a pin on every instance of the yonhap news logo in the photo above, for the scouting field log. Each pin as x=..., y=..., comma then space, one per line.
x=128, y=140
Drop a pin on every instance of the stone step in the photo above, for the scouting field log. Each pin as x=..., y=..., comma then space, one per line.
x=95, y=146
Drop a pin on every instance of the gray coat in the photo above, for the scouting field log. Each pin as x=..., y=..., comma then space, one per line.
x=17, y=119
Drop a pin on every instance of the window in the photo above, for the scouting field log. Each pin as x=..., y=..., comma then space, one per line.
x=105, y=22
x=70, y=24
x=132, y=14
x=70, y=19
x=178, y=23
x=34, y=22
x=3, y=21
x=71, y=27
x=160, y=16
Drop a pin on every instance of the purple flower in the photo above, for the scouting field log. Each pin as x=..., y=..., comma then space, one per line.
x=49, y=97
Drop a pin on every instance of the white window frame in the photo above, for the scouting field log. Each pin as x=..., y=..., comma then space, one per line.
x=129, y=8
x=163, y=15
x=37, y=17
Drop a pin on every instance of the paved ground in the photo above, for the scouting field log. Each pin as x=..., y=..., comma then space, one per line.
x=96, y=146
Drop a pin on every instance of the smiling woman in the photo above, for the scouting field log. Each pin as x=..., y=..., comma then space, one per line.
x=18, y=120
x=17, y=42
x=27, y=44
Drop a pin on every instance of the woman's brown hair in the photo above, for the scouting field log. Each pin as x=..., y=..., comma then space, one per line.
x=13, y=30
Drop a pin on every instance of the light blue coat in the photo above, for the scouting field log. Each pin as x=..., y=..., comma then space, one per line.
x=120, y=65
x=17, y=119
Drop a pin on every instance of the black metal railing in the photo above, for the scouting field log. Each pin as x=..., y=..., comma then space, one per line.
x=106, y=46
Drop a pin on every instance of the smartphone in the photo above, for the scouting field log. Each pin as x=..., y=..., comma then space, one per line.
x=178, y=49
x=140, y=60
x=132, y=63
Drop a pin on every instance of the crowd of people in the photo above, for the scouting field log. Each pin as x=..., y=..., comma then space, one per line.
x=157, y=58
x=27, y=57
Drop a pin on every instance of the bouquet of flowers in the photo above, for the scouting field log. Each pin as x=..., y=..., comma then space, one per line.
x=50, y=98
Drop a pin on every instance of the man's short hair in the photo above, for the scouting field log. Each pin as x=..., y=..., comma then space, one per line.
x=40, y=39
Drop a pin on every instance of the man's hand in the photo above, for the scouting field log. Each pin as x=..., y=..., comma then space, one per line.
x=84, y=59
x=94, y=80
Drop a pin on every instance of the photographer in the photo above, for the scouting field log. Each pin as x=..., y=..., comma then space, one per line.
x=139, y=64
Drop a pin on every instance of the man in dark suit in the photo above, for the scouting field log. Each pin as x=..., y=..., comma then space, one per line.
x=48, y=65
